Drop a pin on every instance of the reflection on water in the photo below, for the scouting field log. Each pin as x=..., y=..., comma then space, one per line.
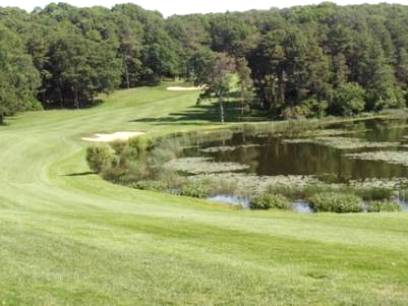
x=231, y=200
x=270, y=155
x=302, y=207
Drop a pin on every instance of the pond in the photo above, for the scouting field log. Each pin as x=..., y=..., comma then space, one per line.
x=368, y=158
x=333, y=157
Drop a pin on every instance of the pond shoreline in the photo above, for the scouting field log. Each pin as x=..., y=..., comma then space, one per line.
x=225, y=155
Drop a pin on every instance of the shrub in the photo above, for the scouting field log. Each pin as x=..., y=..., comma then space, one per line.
x=114, y=174
x=309, y=108
x=195, y=190
x=269, y=200
x=383, y=207
x=336, y=202
x=375, y=194
x=119, y=146
x=99, y=158
x=171, y=179
x=150, y=185
x=165, y=151
x=289, y=192
x=140, y=145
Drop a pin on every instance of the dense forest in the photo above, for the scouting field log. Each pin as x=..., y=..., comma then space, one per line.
x=298, y=62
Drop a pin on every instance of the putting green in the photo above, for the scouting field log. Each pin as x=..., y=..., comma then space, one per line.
x=69, y=238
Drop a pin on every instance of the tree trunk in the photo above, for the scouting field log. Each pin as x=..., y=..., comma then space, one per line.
x=222, y=111
x=62, y=102
x=1, y=118
x=242, y=101
x=76, y=100
x=127, y=76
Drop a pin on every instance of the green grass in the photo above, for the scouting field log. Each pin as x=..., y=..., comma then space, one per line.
x=72, y=239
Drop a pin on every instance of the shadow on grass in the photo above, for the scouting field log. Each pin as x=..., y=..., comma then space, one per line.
x=80, y=174
x=70, y=105
x=202, y=114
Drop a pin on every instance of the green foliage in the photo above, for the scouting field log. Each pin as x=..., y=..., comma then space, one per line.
x=195, y=190
x=270, y=201
x=383, y=207
x=99, y=158
x=375, y=194
x=336, y=202
x=301, y=62
x=152, y=185
x=218, y=81
x=18, y=78
x=349, y=100
x=309, y=108
x=164, y=151
x=139, y=146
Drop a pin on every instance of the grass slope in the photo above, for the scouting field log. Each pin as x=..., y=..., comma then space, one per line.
x=68, y=238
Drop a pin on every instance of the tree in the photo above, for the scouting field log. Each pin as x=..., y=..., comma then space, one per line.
x=348, y=100
x=218, y=81
x=130, y=35
x=200, y=64
x=79, y=68
x=18, y=78
x=297, y=58
x=245, y=83
x=229, y=34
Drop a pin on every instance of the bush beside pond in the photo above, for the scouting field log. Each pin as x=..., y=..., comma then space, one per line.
x=375, y=194
x=269, y=201
x=195, y=190
x=99, y=158
x=336, y=202
x=383, y=207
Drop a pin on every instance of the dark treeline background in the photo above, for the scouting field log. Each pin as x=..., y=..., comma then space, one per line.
x=304, y=61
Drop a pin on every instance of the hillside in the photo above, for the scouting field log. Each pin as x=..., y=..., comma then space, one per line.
x=69, y=238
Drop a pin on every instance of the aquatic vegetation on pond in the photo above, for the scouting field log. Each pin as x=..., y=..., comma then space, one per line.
x=380, y=184
x=228, y=148
x=392, y=157
x=253, y=184
x=330, y=132
x=218, y=149
x=200, y=165
x=343, y=143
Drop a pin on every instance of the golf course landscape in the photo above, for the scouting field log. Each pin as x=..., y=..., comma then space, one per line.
x=70, y=238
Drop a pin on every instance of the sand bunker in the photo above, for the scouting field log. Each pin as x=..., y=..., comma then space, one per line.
x=179, y=88
x=117, y=136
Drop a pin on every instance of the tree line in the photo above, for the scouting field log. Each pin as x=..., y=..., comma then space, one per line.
x=298, y=62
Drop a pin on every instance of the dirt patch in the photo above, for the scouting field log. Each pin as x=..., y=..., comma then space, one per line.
x=117, y=136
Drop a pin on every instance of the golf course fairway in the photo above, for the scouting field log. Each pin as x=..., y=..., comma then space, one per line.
x=67, y=237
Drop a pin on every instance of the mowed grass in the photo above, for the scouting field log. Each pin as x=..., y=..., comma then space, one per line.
x=69, y=238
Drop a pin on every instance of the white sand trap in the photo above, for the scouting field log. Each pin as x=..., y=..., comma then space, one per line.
x=117, y=136
x=179, y=88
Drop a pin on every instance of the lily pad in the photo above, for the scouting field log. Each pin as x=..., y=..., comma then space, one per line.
x=392, y=157
x=200, y=165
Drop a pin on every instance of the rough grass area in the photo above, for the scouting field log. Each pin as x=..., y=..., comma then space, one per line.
x=69, y=238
